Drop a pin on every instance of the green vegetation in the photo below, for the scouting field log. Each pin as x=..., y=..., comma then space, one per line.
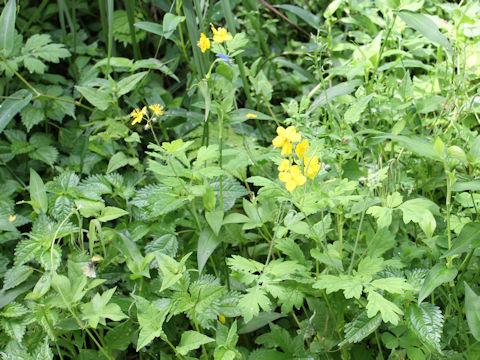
x=239, y=179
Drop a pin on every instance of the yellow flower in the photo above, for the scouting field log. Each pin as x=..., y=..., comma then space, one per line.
x=301, y=148
x=311, y=166
x=284, y=139
x=203, y=43
x=138, y=115
x=251, y=116
x=12, y=218
x=292, y=178
x=221, y=318
x=157, y=109
x=284, y=166
x=220, y=35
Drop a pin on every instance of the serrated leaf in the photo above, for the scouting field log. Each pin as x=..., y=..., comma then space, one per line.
x=393, y=285
x=32, y=116
x=472, y=310
x=47, y=154
x=14, y=310
x=377, y=303
x=360, y=328
x=251, y=303
x=436, y=276
x=127, y=84
x=16, y=275
x=192, y=340
x=99, y=309
x=150, y=319
x=98, y=98
x=417, y=210
x=13, y=105
x=352, y=115
x=426, y=321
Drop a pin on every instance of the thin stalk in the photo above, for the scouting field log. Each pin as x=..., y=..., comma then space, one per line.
x=350, y=267
x=380, y=53
x=130, y=8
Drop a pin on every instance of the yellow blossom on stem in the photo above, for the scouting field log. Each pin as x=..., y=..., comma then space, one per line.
x=285, y=138
x=203, y=43
x=301, y=148
x=220, y=35
x=284, y=166
x=292, y=178
x=157, y=109
x=12, y=218
x=138, y=115
x=221, y=318
x=311, y=166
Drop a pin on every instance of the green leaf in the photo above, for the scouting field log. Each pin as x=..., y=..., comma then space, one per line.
x=38, y=193
x=7, y=28
x=172, y=270
x=150, y=319
x=437, y=275
x=170, y=23
x=382, y=214
x=377, y=303
x=427, y=28
x=12, y=106
x=467, y=240
x=47, y=154
x=98, y=98
x=32, y=116
x=417, y=210
x=215, y=220
x=472, y=309
x=192, y=340
x=370, y=266
x=207, y=243
x=16, y=275
x=311, y=19
x=14, y=310
x=120, y=160
x=128, y=83
x=259, y=321
x=352, y=115
x=111, y=213
x=152, y=27
x=99, y=309
x=416, y=145
x=251, y=302
x=331, y=93
x=360, y=328
x=426, y=322
x=352, y=287
x=393, y=285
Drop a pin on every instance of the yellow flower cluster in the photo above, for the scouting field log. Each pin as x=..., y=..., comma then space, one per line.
x=219, y=35
x=289, y=173
x=138, y=114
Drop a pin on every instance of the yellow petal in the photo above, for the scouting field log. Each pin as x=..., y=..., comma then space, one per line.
x=278, y=142
x=284, y=176
x=284, y=165
x=290, y=185
x=286, y=148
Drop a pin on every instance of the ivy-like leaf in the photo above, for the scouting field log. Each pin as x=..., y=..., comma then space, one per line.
x=99, y=309
x=250, y=303
x=151, y=320
x=426, y=321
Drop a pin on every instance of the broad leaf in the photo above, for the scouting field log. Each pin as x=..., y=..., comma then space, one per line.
x=37, y=192
x=7, y=28
x=472, y=309
x=207, y=243
x=360, y=328
x=427, y=28
x=99, y=309
x=151, y=320
x=437, y=275
x=192, y=340
x=467, y=240
x=377, y=303
x=12, y=106
x=426, y=321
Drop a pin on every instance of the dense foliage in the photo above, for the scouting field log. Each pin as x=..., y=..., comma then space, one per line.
x=239, y=179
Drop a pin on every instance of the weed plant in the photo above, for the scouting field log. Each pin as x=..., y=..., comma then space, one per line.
x=237, y=179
